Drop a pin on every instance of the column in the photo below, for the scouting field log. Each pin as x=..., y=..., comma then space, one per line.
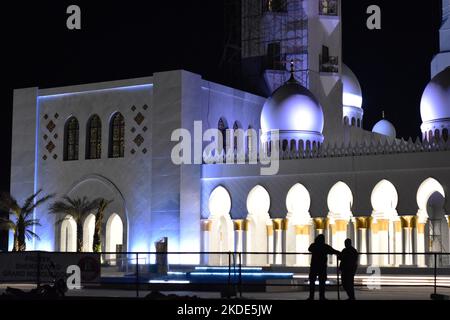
x=277, y=240
x=302, y=239
x=285, y=225
x=206, y=231
x=408, y=223
x=383, y=241
x=339, y=232
x=320, y=225
x=270, y=248
x=420, y=243
x=339, y=235
x=448, y=221
x=238, y=235
x=245, y=234
x=398, y=242
x=361, y=226
x=373, y=241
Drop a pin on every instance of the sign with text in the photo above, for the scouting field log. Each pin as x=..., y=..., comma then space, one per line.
x=47, y=266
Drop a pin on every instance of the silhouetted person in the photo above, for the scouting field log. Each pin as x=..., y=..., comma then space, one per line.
x=319, y=250
x=348, y=267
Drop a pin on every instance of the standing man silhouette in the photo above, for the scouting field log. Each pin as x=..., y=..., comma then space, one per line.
x=319, y=250
x=348, y=267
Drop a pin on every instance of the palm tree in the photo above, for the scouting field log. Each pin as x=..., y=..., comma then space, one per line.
x=97, y=243
x=78, y=209
x=22, y=222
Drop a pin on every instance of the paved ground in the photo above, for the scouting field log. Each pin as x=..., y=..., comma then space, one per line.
x=386, y=293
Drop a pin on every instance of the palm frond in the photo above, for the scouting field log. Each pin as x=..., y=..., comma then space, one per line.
x=32, y=222
x=7, y=224
x=30, y=235
x=9, y=203
x=38, y=203
x=30, y=200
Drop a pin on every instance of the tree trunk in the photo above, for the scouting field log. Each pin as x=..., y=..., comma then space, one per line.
x=97, y=243
x=79, y=237
x=15, y=243
x=21, y=244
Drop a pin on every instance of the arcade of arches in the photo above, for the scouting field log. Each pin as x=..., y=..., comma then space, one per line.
x=395, y=237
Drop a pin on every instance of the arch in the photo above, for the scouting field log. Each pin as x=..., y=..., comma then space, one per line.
x=222, y=125
x=284, y=145
x=353, y=122
x=298, y=202
x=293, y=146
x=116, y=143
x=430, y=200
x=426, y=189
x=445, y=134
x=301, y=145
x=437, y=135
x=68, y=235
x=114, y=237
x=94, y=138
x=221, y=236
x=346, y=121
x=219, y=203
x=340, y=200
x=88, y=233
x=252, y=142
x=308, y=146
x=358, y=123
x=384, y=199
x=430, y=136
x=71, y=139
x=258, y=221
x=98, y=186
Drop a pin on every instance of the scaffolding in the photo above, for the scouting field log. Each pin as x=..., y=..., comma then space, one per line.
x=277, y=32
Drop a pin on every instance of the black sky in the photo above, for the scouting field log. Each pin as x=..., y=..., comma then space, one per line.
x=133, y=38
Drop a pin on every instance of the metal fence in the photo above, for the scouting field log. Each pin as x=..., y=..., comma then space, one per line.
x=231, y=273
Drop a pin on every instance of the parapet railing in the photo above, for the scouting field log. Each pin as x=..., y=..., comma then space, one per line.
x=146, y=271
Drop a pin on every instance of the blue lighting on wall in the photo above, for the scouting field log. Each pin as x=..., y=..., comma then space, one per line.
x=127, y=88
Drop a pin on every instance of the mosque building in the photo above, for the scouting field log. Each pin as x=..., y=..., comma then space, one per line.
x=113, y=140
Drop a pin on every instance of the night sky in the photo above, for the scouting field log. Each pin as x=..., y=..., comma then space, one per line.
x=133, y=38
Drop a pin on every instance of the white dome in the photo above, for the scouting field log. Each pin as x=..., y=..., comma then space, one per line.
x=292, y=107
x=435, y=104
x=352, y=93
x=385, y=128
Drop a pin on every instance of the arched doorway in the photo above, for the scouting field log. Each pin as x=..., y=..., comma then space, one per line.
x=384, y=239
x=88, y=233
x=114, y=237
x=258, y=238
x=220, y=236
x=68, y=240
x=432, y=226
x=340, y=202
x=299, y=231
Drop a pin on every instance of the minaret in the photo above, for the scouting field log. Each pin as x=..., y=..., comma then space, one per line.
x=442, y=59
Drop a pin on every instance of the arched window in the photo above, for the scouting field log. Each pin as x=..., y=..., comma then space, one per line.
x=250, y=144
x=430, y=136
x=117, y=136
x=437, y=135
x=71, y=139
x=236, y=126
x=223, y=127
x=94, y=138
x=346, y=121
x=353, y=122
x=445, y=134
